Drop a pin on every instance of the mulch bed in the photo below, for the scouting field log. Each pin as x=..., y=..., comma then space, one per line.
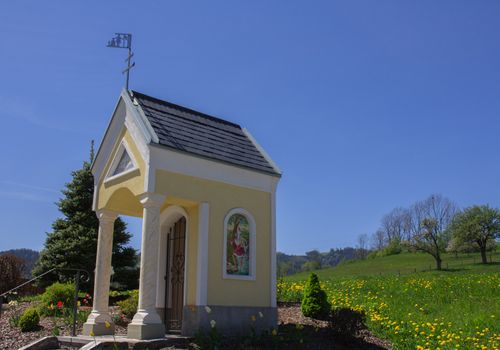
x=318, y=334
x=296, y=331
x=12, y=337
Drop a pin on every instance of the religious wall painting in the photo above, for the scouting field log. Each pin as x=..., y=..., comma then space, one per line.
x=238, y=246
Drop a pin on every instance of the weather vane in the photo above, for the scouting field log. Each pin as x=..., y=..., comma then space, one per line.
x=124, y=41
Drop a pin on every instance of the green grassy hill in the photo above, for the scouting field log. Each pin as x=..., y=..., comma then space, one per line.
x=404, y=263
x=457, y=308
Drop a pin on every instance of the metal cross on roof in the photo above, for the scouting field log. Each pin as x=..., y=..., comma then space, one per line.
x=124, y=41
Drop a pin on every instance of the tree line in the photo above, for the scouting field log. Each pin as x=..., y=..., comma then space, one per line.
x=435, y=225
x=314, y=260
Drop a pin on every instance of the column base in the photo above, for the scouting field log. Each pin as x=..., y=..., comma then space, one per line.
x=146, y=331
x=98, y=324
x=95, y=329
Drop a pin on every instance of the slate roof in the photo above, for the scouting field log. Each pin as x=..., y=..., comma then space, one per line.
x=202, y=135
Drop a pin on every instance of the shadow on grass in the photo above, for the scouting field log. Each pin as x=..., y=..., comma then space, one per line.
x=309, y=337
x=469, y=267
x=452, y=269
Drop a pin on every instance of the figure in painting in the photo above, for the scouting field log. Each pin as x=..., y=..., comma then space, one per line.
x=238, y=243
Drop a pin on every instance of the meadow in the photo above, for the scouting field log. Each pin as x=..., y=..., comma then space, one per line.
x=457, y=308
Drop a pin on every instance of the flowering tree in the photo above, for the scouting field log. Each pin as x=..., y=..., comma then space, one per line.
x=477, y=225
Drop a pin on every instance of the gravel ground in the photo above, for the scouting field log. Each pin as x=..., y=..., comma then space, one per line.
x=315, y=334
x=13, y=338
x=319, y=336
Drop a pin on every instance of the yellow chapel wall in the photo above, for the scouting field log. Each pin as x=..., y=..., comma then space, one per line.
x=222, y=198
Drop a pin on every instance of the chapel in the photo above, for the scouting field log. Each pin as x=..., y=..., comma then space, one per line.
x=206, y=192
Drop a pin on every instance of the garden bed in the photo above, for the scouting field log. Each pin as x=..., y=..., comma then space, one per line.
x=11, y=337
x=295, y=332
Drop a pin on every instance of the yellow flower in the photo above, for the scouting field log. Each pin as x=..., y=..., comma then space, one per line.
x=107, y=324
x=91, y=334
x=274, y=332
x=253, y=318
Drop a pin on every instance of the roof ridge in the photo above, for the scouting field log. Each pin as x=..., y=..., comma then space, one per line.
x=186, y=109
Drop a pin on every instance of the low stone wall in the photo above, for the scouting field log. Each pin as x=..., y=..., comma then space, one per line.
x=229, y=320
x=42, y=344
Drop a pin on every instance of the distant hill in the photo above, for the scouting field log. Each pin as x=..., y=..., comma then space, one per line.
x=290, y=264
x=404, y=263
x=28, y=255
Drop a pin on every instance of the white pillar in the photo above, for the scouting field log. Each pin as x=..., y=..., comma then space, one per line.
x=146, y=323
x=202, y=268
x=99, y=322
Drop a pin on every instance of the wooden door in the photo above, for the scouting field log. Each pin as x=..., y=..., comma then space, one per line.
x=174, y=293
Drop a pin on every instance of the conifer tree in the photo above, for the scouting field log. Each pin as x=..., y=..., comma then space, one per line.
x=314, y=302
x=73, y=241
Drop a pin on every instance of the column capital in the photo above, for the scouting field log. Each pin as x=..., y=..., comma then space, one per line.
x=150, y=199
x=105, y=215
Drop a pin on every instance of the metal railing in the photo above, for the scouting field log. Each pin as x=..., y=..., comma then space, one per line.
x=79, y=275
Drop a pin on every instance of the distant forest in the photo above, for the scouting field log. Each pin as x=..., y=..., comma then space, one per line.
x=313, y=260
x=287, y=264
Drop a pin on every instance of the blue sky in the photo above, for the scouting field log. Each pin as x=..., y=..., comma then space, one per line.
x=365, y=105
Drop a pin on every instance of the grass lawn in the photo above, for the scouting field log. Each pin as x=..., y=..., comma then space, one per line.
x=454, y=309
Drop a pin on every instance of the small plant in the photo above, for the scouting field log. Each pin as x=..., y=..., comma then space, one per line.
x=314, y=302
x=29, y=320
x=55, y=328
x=14, y=320
x=57, y=298
x=129, y=306
x=82, y=316
x=211, y=340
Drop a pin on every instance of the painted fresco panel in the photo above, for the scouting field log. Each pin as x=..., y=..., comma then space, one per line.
x=238, y=246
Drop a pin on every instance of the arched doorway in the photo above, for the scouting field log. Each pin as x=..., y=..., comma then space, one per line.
x=174, y=275
x=171, y=282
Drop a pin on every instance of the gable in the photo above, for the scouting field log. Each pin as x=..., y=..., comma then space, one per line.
x=122, y=174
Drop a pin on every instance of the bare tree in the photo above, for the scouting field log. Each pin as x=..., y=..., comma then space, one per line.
x=428, y=221
x=11, y=271
x=378, y=240
x=396, y=225
x=362, y=246
x=430, y=240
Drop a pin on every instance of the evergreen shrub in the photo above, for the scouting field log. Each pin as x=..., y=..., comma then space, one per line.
x=314, y=302
x=29, y=320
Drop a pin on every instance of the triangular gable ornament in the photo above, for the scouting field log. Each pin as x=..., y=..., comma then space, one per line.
x=123, y=162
